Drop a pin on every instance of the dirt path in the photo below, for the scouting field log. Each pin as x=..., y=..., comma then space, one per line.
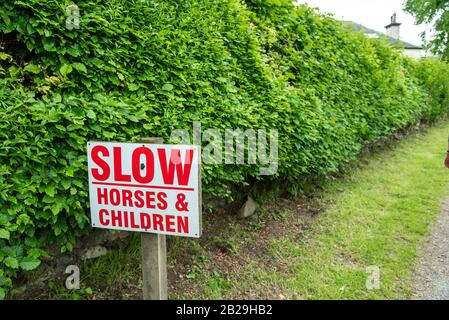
x=432, y=276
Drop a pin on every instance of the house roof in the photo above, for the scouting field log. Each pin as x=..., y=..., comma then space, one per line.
x=376, y=34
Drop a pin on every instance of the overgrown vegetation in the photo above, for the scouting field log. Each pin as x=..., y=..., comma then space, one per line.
x=322, y=247
x=376, y=216
x=145, y=68
x=435, y=12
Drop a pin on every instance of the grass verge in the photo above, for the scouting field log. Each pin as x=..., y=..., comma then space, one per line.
x=378, y=216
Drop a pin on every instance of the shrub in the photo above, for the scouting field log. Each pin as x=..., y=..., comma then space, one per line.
x=145, y=68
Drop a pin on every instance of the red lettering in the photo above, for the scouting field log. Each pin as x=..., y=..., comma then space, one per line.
x=150, y=200
x=149, y=165
x=102, y=214
x=183, y=224
x=175, y=164
x=158, y=222
x=125, y=214
x=127, y=198
x=102, y=196
x=139, y=203
x=133, y=223
x=118, y=172
x=162, y=205
x=116, y=218
x=170, y=223
x=145, y=221
x=106, y=171
x=114, y=196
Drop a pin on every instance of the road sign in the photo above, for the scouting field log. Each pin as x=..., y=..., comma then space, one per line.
x=141, y=187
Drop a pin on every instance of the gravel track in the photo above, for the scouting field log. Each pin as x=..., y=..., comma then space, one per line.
x=432, y=274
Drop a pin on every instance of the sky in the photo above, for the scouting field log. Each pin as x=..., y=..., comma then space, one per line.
x=374, y=14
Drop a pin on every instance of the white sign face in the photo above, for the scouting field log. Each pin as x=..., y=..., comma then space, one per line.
x=145, y=187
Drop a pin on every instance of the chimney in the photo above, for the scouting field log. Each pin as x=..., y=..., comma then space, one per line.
x=393, y=29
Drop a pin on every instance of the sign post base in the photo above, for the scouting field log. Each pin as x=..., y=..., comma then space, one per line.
x=154, y=266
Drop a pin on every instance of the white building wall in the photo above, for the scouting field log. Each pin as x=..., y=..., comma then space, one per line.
x=415, y=53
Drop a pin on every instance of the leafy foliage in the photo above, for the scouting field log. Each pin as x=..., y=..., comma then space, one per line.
x=144, y=68
x=436, y=12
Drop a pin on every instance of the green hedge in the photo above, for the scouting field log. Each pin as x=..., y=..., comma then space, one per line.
x=145, y=68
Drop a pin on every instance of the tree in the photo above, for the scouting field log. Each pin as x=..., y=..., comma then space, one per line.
x=436, y=12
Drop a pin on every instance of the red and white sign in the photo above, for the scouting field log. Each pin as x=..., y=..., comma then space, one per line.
x=145, y=187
